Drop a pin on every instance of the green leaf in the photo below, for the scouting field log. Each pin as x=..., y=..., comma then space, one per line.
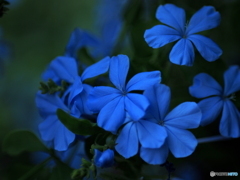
x=78, y=126
x=17, y=142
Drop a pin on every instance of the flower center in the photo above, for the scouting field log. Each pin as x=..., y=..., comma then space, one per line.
x=233, y=97
x=184, y=35
x=161, y=123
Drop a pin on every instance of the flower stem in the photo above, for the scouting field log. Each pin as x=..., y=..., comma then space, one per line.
x=212, y=139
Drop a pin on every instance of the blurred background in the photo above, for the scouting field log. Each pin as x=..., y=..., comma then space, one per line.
x=32, y=33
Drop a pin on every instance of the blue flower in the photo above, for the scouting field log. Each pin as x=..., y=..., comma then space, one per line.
x=112, y=103
x=51, y=129
x=218, y=100
x=79, y=39
x=149, y=134
x=187, y=115
x=176, y=28
x=65, y=68
x=110, y=25
x=104, y=159
x=73, y=101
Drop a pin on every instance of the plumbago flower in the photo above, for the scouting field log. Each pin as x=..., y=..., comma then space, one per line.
x=179, y=141
x=104, y=159
x=79, y=39
x=149, y=134
x=73, y=101
x=110, y=25
x=176, y=28
x=112, y=103
x=219, y=100
x=51, y=129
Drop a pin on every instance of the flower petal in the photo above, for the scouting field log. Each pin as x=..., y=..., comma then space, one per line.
x=155, y=156
x=151, y=135
x=230, y=121
x=100, y=96
x=112, y=115
x=172, y=15
x=182, y=53
x=136, y=104
x=159, y=97
x=204, y=85
x=127, y=141
x=48, y=104
x=206, y=47
x=75, y=89
x=205, y=18
x=96, y=69
x=160, y=35
x=181, y=142
x=53, y=130
x=119, y=66
x=65, y=68
x=142, y=81
x=103, y=159
x=232, y=80
x=79, y=38
x=81, y=100
x=49, y=74
x=211, y=108
x=185, y=116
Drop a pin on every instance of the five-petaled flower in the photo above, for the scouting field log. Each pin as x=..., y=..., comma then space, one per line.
x=219, y=100
x=176, y=28
x=179, y=141
x=112, y=103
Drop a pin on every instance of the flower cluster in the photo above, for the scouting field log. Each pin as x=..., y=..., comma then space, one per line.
x=133, y=110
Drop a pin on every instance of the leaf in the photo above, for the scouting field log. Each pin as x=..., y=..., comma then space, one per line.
x=17, y=142
x=78, y=126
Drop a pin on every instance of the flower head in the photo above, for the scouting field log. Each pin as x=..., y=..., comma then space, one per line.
x=73, y=100
x=219, y=100
x=176, y=28
x=51, y=129
x=104, y=159
x=112, y=103
x=148, y=134
x=179, y=141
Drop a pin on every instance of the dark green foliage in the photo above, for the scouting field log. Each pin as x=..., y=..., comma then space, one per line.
x=78, y=126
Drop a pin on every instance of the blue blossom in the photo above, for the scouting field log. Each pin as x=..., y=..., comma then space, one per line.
x=51, y=129
x=73, y=101
x=104, y=159
x=176, y=28
x=80, y=39
x=148, y=134
x=179, y=141
x=109, y=24
x=112, y=103
x=218, y=100
x=65, y=68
